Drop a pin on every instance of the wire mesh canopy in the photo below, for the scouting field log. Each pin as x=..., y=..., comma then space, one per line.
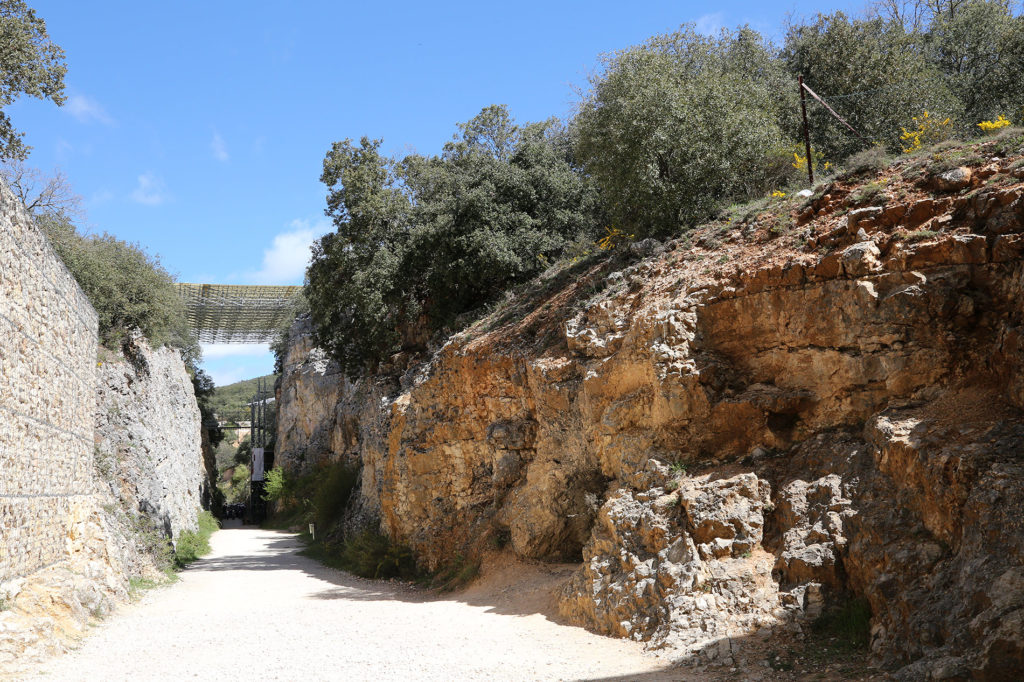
x=233, y=313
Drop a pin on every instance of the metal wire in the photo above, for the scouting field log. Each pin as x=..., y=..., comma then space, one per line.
x=229, y=313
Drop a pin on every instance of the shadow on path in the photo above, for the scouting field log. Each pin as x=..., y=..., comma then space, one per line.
x=279, y=552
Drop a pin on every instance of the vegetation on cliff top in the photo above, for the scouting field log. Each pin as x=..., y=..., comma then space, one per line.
x=667, y=134
x=421, y=240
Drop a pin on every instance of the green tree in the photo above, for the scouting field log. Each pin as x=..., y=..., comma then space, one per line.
x=500, y=201
x=874, y=74
x=980, y=51
x=29, y=65
x=673, y=127
x=422, y=240
x=351, y=278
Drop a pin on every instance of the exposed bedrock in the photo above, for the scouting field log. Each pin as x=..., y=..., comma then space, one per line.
x=149, y=439
x=730, y=456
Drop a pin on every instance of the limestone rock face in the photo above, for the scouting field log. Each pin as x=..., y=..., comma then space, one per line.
x=680, y=569
x=306, y=400
x=148, y=436
x=731, y=452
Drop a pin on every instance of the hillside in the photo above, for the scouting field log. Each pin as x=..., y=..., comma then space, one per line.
x=231, y=402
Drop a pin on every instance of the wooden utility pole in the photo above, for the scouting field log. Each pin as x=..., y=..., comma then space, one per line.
x=807, y=133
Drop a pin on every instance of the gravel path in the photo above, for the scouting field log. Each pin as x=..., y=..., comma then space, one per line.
x=254, y=609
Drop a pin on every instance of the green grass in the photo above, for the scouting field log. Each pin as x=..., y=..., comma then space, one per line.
x=1008, y=141
x=920, y=235
x=373, y=555
x=867, y=193
x=456, y=574
x=192, y=545
x=369, y=554
x=137, y=584
x=872, y=159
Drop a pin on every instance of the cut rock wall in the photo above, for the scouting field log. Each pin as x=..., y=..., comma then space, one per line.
x=148, y=436
x=58, y=567
x=730, y=450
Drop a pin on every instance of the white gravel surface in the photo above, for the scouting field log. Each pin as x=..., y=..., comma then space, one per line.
x=255, y=610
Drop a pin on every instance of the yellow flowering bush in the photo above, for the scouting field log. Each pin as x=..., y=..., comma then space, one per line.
x=778, y=194
x=800, y=160
x=613, y=236
x=928, y=130
x=992, y=126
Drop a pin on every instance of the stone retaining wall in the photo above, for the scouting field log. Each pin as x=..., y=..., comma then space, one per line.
x=47, y=396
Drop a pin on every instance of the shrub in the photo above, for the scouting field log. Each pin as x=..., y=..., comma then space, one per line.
x=192, y=545
x=673, y=127
x=276, y=485
x=335, y=485
x=373, y=555
x=799, y=163
x=873, y=158
x=128, y=288
x=990, y=127
x=867, y=193
x=920, y=235
x=928, y=130
x=457, y=573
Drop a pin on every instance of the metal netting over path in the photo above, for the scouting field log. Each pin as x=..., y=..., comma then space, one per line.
x=231, y=313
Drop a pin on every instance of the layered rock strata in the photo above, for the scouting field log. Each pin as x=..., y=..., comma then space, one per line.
x=731, y=446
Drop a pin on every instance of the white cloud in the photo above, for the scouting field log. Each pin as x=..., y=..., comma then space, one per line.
x=229, y=375
x=286, y=260
x=101, y=197
x=150, y=190
x=219, y=148
x=227, y=363
x=710, y=24
x=87, y=110
x=228, y=350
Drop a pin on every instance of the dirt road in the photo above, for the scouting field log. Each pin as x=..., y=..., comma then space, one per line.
x=254, y=609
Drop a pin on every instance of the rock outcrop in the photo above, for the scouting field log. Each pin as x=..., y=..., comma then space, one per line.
x=149, y=452
x=830, y=408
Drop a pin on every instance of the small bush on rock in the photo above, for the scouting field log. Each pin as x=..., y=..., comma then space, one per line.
x=871, y=159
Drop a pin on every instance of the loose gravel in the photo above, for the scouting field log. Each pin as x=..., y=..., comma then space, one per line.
x=255, y=609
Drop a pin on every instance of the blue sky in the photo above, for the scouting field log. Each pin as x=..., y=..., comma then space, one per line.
x=198, y=129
